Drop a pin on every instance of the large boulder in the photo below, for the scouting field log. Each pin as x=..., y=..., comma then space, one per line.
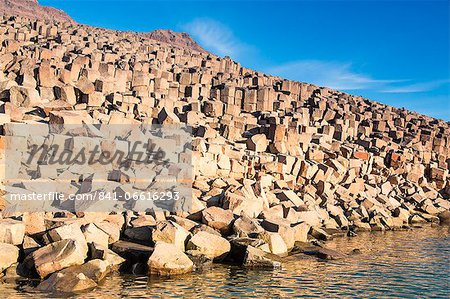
x=112, y=229
x=11, y=231
x=184, y=222
x=132, y=252
x=22, y=96
x=282, y=227
x=141, y=234
x=104, y=253
x=95, y=269
x=76, y=278
x=218, y=218
x=245, y=226
x=310, y=217
x=244, y=200
x=257, y=143
x=167, y=259
x=212, y=246
x=301, y=232
x=444, y=217
x=170, y=232
x=57, y=256
x=324, y=253
x=276, y=243
x=9, y=255
x=93, y=234
x=67, y=283
x=320, y=234
x=257, y=258
x=65, y=232
x=85, y=85
x=34, y=222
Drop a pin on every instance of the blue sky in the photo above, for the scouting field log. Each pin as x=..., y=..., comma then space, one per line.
x=394, y=52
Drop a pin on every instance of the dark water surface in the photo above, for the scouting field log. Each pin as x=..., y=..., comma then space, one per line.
x=402, y=264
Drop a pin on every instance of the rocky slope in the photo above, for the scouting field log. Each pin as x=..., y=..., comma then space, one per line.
x=180, y=39
x=31, y=9
x=278, y=165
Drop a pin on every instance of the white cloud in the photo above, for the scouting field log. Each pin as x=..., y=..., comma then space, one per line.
x=331, y=74
x=416, y=87
x=215, y=37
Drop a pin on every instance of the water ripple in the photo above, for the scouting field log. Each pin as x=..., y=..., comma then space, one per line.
x=392, y=264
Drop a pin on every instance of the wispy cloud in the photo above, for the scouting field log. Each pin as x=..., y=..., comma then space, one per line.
x=417, y=87
x=331, y=74
x=215, y=37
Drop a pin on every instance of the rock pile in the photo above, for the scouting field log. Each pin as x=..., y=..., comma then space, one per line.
x=276, y=162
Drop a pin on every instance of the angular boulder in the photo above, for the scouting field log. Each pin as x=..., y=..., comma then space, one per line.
x=9, y=254
x=257, y=143
x=301, y=232
x=168, y=259
x=256, y=258
x=245, y=226
x=93, y=234
x=95, y=269
x=11, y=231
x=57, y=256
x=276, y=243
x=212, y=246
x=67, y=283
x=132, y=252
x=170, y=232
x=218, y=218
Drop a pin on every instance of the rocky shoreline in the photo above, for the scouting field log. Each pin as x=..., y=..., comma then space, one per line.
x=278, y=165
x=68, y=268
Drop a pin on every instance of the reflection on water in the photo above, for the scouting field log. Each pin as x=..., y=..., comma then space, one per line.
x=393, y=264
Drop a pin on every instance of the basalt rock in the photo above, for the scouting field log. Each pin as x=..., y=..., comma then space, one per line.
x=444, y=217
x=275, y=162
x=11, y=231
x=256, y=258
x=212, y=246
x=168, y=260
x=9, y=254
x=57, y=256
x=67, y=283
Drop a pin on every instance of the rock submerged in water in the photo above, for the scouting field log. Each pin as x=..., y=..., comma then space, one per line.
x=168, y=259
x=256, y=258
x=325, y=253
x=132, y=252
x=76, y=278
x=247, y=252
x=67, y=283
x=444, y=217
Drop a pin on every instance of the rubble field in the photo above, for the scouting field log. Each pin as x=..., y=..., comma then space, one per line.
x=279, y=166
